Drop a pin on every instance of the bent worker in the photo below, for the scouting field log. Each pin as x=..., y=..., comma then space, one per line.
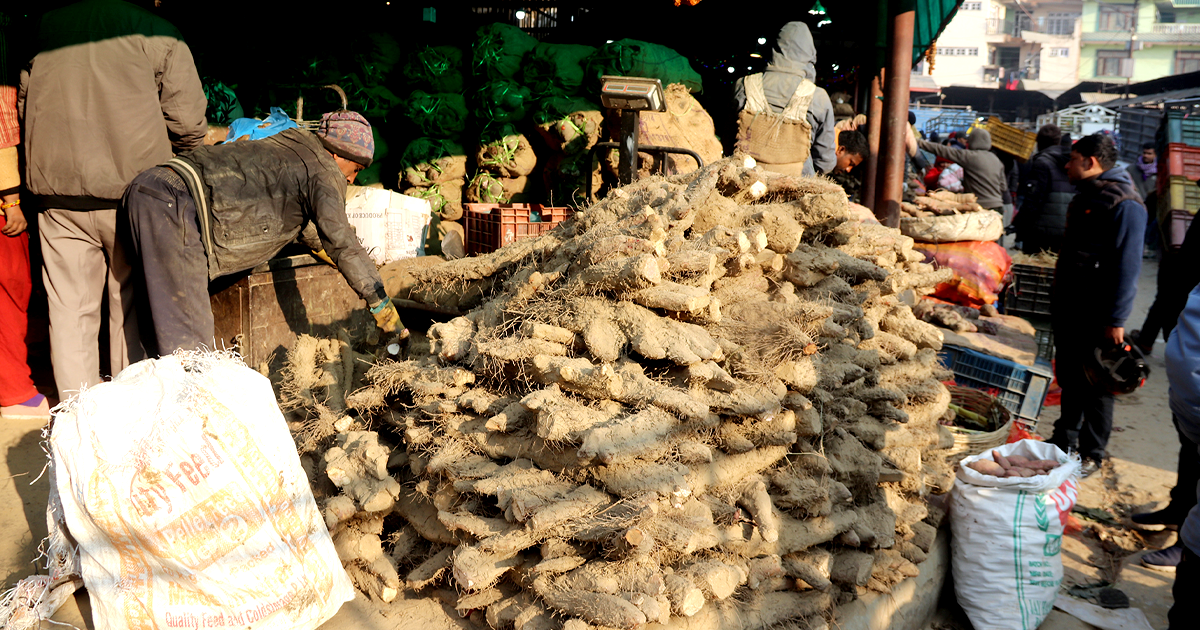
x=223, y=209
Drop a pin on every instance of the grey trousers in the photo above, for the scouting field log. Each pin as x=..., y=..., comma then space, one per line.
x=165, y=238
x=84, y=263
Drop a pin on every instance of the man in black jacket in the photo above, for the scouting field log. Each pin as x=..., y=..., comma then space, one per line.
x=1043, y=216
x=222, y=209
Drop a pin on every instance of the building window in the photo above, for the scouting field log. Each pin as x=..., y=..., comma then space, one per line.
x=1187, y=62
x=972, y=6
x=1115, y=18
x=1113, y=63
x=1060, y=52
x=958, y=52
x=1061, y=23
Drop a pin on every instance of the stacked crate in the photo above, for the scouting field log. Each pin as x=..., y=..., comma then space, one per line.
x=1178, y=172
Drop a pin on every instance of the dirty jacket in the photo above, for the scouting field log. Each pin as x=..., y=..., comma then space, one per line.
x=1095, y=279
x=112, y=92
x=253, y=198
x=793, y=60
x=1043, y=216
x=983, y=172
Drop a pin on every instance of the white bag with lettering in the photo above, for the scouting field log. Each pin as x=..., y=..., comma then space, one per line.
x=184, y=505
x=389, y=225
x=1006, y=538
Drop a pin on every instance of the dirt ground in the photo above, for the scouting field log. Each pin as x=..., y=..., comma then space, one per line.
x=1141, y=472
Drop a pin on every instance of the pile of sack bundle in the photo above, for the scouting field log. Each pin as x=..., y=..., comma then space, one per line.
x=702, y=402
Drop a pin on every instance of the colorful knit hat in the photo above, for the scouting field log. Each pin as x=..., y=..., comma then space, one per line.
x=347, y=134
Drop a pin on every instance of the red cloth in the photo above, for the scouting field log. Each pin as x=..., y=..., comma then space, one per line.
x=16, y=386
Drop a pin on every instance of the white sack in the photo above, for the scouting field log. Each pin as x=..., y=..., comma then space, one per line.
x=1006, y=538
x=389, y=225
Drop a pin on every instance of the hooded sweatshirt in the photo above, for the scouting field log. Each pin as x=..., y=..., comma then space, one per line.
x=983, y=172
x=1183, y=374
x=793, y=60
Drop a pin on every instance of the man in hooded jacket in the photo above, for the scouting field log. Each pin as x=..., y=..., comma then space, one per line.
x=793, y=61
x=1043, y=216
x=983, y=172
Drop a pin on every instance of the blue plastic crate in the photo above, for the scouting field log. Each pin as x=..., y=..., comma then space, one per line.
x=1020, y=388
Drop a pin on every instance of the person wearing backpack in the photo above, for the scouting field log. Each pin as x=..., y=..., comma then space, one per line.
x=785, y=121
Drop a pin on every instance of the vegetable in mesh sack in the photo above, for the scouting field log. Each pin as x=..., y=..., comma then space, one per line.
x=569, y=125
x=489, y=188
x=439, y=68
x=980, y=268
x=445, y=198
x=501, y=101
x=223, y=105
x=499, y=50
x=440, y=115
x=556, y=68
x=633, y=58
x=429, y=161
x=508, y=155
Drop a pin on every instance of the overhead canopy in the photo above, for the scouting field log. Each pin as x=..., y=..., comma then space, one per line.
x=932, y=18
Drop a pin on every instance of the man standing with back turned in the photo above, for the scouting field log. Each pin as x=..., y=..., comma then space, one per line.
x=1095, y=282
x=112, y=92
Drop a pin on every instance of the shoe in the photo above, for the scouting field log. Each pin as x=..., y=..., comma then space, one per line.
x=1165, y=516
x=1089, y=466
x=1135, y=337
x=1164, y=559
x=35, y=408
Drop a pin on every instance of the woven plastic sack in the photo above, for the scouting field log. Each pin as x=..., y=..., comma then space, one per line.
x=980, y=269
x=501, y=101
x=685, y=125
x=984, y=225
x=1006, y=538
x=633, y=58
x=556, y=68
x=499, y=51
x=429, y=161
x=569, y=125
x=438, y=68
x=441, y=115
x=509, y=155
x=179, y=483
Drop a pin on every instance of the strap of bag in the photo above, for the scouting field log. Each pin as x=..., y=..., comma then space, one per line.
x=756, y=98
x=797, y=107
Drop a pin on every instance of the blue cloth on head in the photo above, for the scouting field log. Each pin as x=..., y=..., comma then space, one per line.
x=257, y=129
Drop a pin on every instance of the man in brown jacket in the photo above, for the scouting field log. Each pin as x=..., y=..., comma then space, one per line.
x=112, y=92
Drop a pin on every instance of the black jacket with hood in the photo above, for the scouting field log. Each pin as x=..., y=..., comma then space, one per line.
x=1043, y=216
x=793, y=60
x=983, y=172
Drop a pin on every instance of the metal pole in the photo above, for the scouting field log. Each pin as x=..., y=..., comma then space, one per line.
x=628, y=151
x=874, y=124
x=1132, y=39
x=895, y=121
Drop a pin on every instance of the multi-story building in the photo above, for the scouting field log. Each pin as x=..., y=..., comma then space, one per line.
x=993, y=43
x=1139, y=40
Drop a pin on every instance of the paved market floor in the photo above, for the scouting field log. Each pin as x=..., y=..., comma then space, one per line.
x=1142, y=471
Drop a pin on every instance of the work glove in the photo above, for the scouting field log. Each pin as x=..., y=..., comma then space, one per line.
x=324, y=257
x=387, y=318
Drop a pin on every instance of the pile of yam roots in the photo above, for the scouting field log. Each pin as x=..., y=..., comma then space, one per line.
x=700, y=403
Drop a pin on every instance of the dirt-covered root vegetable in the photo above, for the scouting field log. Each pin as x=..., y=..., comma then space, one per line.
x=922, y=334
x=476, y=570
x=758, y=503
x=686, y=598
x=672, y=296
x=638, y=477
x=452, y=340
x=655, y=337
x=628, y=436
x=812, y=566
x=717, y=579
x=596, y=608
x=620, y=274
x=560, y=418
x=358, y=465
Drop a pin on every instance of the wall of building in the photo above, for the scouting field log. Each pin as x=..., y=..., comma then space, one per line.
x=966, y=31
x=1154, y=54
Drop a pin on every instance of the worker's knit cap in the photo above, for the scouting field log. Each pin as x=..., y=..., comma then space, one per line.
x=347, y=134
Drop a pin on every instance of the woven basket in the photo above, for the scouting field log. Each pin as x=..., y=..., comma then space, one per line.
x=967, y=442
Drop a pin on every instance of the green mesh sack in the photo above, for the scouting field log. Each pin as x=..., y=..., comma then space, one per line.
x=501, y=101
x=438, y=68
x=568, y=124
x=632, y=58
x=223, y=105
x=432, y=160
x=556, y=69
x=506, y=152
x=499, y=50
x=440, y=115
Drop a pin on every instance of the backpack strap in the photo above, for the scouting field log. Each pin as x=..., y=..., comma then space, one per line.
x=756, y=98
x=797, y=107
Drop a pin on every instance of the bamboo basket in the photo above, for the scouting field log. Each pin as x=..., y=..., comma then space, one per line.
x=968, y=442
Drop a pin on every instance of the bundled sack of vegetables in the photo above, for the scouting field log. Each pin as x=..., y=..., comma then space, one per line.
x=501, y=101
x=1008, y=510
x=556, y=68
x=490, y=188
x=632, y=58
x=442, y=115
x=499, y=50
x=428, y=161
x=568, y=125
x=980, y=269
x=445, y=198
x=509, y=154
x=438, y=68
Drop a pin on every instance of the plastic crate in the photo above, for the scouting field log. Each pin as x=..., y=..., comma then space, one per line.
x=1183, y=126
x=1020, y=388
x=1175, y=226
x=1010, y=139
x=1137, y=126
x=1029, y=293
x=490, y=226
x=1179, y=193
x=1182, y=161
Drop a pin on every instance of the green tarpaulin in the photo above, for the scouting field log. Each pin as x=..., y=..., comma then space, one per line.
x=932, y=18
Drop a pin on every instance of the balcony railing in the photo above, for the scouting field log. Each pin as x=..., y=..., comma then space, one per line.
x=1177, y=29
